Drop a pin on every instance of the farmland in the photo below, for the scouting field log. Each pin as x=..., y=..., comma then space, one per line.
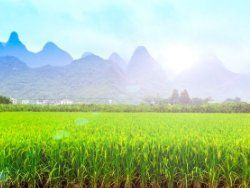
x=97, y=149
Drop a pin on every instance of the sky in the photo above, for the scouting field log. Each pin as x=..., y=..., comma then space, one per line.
x=176, y=32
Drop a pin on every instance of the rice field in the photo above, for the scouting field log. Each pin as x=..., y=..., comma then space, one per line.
x=49, y=149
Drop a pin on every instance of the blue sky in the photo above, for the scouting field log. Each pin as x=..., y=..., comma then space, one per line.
x=176, y=32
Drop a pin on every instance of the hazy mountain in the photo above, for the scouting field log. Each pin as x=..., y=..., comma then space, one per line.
x=1, y=46
x=145, y=75
x=117, y=59
x=14, y=47
x=11, y=65
x=12, y=74
x=86, y=54
x=209, y=77
x=49, y=55
x=97, y=77
x=208, y=71
x=90, y=79
x=237, y=87
x=14, y=43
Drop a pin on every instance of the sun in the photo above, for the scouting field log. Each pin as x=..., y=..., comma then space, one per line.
x=179, y=57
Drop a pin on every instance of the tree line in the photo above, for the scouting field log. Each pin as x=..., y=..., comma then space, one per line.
x=177, y=102
x=183, y=98
x=176, y=108
x=177, y=97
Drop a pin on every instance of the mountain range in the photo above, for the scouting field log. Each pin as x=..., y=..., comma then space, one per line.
x=53, y=74
x=49, y=55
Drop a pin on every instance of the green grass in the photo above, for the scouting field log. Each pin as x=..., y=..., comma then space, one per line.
x=100, y=149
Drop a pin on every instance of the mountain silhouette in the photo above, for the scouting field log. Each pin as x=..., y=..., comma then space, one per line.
x=14, y=42
x=49, y=55
x=209, y=77
x=146, y=74
x=117, y=59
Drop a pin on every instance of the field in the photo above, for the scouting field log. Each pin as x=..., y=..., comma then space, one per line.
x=124, y=149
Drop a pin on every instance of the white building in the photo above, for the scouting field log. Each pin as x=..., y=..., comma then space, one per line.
x=25, y=101
x=66, y=101
x=14, y=101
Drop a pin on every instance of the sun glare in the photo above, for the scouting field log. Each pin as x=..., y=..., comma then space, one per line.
x=179, y=57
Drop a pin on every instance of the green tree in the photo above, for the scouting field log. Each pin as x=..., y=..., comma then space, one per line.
x=184, y=97
x=5, y=100
x=174, y=99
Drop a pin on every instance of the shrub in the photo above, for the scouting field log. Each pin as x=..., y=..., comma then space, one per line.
x=5, y=100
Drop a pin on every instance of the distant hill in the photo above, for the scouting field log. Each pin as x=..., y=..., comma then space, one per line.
x=52, y=55
x=10, y=63
x=209, y=77
x=86, y=78
x=146, y=76
x=117, y=59
x=10, y=66
x=1, y=46
x=49, y=55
